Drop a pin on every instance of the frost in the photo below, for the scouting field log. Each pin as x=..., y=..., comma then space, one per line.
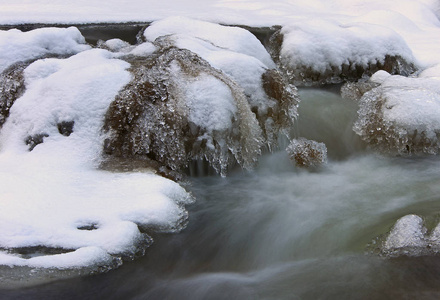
x=320, y=51
x=307, y=153
x=401, y=115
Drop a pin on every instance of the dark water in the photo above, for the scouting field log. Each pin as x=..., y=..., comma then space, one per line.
x=284, y=233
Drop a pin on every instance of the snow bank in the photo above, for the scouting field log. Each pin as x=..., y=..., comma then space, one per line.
x=16, y=45
x=55, y=204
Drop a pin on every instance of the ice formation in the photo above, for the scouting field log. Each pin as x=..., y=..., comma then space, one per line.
x=58, y=209
x=320, y=51
x=307, y=153
x=409, y=236
x=399, y=114
x=208, y=94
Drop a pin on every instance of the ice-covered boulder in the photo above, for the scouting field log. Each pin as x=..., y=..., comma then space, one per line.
x=208, y=93
x=409, y=237
x=401, y=115
x=321, y=51
x=307, y=153
x=242, y=57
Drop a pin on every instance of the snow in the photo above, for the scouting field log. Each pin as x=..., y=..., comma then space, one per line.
x=52, y=192
x=16, y=45
x=211, y=103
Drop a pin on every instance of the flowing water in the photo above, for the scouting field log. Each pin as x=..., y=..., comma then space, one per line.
x=280, y=232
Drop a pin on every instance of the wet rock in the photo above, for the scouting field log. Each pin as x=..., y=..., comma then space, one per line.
x=408, y=237
x=11, y=88
x=307, y=153
x=34, y=140
x=285, y=111
x=66, y=127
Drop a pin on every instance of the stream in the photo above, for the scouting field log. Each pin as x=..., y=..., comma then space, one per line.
x=281, y=232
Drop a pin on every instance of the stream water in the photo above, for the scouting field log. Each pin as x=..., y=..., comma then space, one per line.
x=280, y=232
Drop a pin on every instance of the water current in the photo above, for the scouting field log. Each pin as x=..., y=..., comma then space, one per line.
x=280, y=232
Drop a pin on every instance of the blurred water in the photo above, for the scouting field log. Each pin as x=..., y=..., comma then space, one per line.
x=285, y=233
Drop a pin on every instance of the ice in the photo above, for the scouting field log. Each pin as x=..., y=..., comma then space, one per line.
x=163, y=114
x=16, y=46
x=58, y=209
x=401, y=115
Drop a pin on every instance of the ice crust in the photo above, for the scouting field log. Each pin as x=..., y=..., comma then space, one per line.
x=55, y=204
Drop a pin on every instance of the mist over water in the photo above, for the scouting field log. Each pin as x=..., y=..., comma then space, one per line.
x=280, y=232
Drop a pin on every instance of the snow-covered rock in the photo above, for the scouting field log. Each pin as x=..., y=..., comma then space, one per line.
x=401, y=115
x=320, y=51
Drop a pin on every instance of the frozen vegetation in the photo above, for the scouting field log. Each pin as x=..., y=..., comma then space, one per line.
x=88, y=133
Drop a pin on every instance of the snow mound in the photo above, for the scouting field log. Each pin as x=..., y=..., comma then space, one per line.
x=307, y=153
x=16, y=46
x=58, y=209
x=320, y=51
x=401, y=115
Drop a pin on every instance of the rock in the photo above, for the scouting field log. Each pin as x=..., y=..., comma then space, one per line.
x=316, y=54
x=400, y=116
x=66, y=127
x=11, y=88
x=34, y=140
x=307, y=153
